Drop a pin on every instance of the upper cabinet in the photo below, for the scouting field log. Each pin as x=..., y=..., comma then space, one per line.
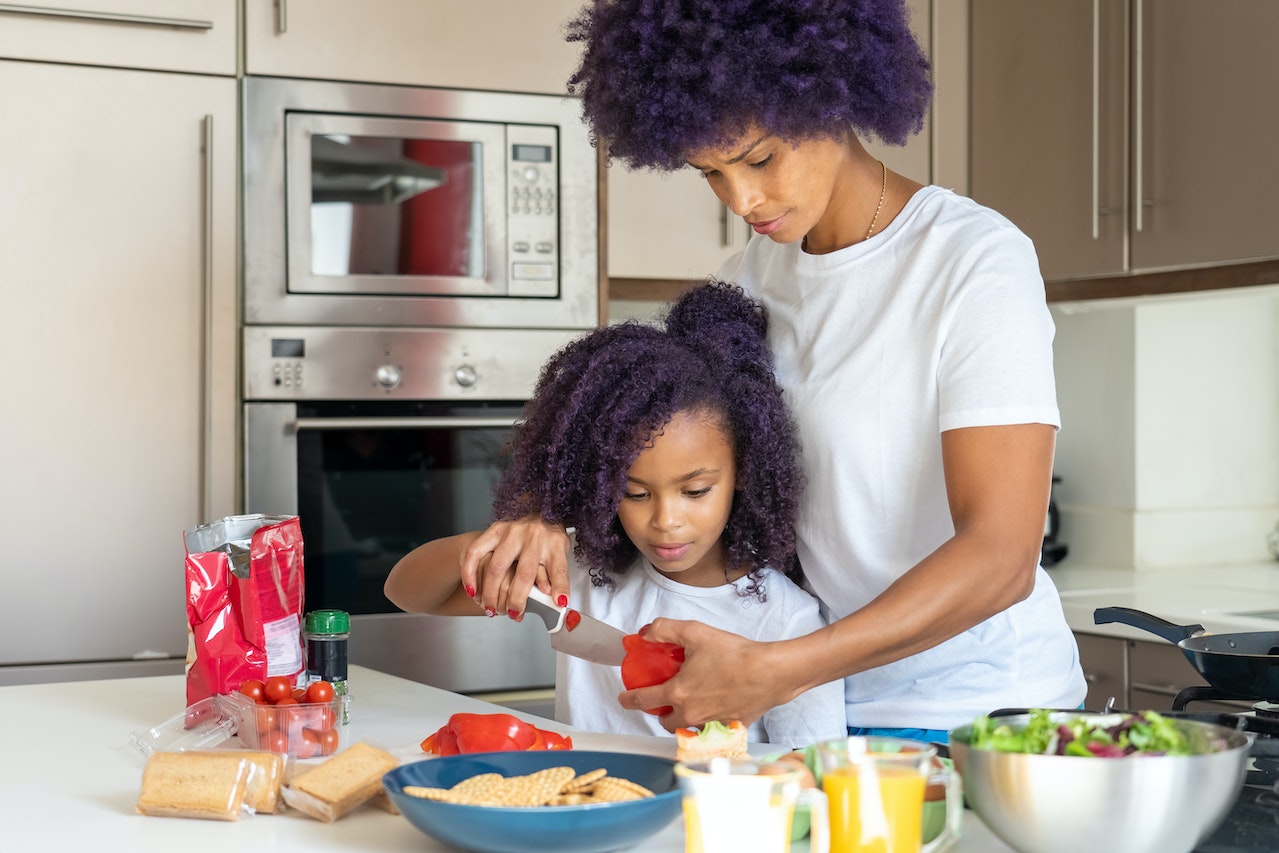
x=671, y=226
x=195, y=36
x=476, y=44
x=1127, y=135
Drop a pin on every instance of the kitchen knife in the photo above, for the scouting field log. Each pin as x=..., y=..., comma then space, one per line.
x=589, y=639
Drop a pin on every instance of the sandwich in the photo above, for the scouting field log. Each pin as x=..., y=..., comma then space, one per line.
x=339, y=784
x=713, y=740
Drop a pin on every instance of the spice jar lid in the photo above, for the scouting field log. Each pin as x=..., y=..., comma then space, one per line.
x=328, y=622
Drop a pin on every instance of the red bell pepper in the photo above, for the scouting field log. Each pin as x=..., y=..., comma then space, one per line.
x=467, y=733
x=648, y=663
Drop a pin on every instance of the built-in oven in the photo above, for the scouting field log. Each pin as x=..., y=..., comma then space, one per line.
x=412, y=257
x=380, y=440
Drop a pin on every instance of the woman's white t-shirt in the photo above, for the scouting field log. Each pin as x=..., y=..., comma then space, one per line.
x=936, y=323
x=586, y=693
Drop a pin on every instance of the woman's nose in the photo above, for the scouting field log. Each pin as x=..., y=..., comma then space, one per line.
x=739, y=195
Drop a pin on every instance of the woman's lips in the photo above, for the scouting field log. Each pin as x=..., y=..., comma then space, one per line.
x=767, y=227
x=670, y=553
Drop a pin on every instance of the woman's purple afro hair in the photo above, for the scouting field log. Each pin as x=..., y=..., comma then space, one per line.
x=660, y=79
x=599, y=401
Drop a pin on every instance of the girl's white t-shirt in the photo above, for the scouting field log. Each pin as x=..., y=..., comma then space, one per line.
x=586, y=693
x=936, y=323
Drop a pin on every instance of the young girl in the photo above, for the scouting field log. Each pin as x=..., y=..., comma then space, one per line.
x=672, y=454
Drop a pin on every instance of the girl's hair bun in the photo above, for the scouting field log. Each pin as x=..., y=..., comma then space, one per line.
x=721, y=320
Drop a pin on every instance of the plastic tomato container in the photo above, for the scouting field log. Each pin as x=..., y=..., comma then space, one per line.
x=304, y=730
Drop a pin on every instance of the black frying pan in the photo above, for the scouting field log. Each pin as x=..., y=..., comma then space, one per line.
x=1246, y=664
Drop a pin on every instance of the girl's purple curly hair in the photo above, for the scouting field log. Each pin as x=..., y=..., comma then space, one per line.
x=599, y=401
x=660, y=79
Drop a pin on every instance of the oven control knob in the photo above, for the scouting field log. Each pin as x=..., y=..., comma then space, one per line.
x=466, y=376
x=387, y=376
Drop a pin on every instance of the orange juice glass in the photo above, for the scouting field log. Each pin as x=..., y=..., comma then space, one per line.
x=737, y=805
x=875, y=791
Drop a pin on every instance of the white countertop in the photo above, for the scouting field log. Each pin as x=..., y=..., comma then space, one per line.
x=1223, y=599
x=72, y=778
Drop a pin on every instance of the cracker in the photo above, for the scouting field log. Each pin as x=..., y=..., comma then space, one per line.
x=612, y=789
x=583, y=782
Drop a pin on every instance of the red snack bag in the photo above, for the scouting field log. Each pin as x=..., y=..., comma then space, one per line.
x=244, y=579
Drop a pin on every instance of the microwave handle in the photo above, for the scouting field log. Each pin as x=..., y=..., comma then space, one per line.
x=402, y=423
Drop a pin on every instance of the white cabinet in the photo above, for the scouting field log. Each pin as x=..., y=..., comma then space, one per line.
x=117, y=351
x=469, y=44
x=197, y=36
x=672, y=226
x=1128, y=135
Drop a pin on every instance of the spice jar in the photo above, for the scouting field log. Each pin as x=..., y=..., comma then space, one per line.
x=326, y=635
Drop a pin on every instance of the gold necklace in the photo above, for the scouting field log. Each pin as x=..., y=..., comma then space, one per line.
x=883, y=188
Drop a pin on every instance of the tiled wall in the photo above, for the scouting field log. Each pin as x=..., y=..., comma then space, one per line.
x=1169, y=448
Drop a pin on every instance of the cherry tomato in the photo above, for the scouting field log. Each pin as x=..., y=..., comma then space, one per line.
x=308, y=746
x=328, y=741
x=287, y=700
x=278, y=687
x=299, y=693
x=275, y=741
x=319, y=691
x=648, y=663
x=254, y=688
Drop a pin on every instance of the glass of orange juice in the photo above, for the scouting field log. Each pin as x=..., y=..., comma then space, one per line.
x=735, y=804
x=875, y=792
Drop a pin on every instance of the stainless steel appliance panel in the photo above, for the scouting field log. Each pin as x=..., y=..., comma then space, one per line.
x=567, y=299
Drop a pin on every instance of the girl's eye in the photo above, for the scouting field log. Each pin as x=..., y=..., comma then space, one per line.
x=639, y=496
x=698, y=493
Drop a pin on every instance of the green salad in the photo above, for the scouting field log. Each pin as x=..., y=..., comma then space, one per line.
x=1143, y=733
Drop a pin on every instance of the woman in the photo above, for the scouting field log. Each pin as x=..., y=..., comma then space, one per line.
x=910, y=333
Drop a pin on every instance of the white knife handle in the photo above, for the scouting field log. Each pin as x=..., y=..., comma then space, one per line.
x=542, y=598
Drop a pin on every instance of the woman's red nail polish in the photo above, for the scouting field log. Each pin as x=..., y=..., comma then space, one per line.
x=514, y=614
x=488, y=611
x=470, y=591
x=562, y=601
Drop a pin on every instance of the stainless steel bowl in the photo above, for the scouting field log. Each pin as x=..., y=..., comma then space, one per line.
x=1065, y=804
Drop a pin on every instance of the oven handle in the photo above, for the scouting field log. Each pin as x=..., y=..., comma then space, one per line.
x=401, y=423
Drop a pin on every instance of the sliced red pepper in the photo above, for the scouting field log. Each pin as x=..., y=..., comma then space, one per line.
x=467, y=733
x=648, y=663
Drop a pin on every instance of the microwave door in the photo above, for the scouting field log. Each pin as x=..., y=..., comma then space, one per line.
x=341, y=172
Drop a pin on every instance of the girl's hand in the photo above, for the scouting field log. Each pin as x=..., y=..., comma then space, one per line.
x=724, y=677
x=501, y=564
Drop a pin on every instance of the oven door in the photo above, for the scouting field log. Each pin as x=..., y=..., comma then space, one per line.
x=370, y=481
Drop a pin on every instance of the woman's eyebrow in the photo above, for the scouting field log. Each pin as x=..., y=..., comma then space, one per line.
x=740, y=157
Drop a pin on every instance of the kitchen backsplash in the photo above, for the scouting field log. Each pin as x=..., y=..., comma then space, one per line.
x=1169, y=448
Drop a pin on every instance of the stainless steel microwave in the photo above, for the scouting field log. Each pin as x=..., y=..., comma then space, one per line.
x=407, y=206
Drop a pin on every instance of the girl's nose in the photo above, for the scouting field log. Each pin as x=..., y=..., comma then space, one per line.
x=665, y=515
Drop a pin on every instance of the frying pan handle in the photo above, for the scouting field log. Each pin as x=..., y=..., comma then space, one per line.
x=1170, y=631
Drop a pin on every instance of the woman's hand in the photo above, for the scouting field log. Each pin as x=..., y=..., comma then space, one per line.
x=505, y=561
x=724, y=677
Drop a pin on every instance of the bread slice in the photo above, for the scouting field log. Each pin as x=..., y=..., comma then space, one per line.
x=199, y=784
x=331, y=789
x=263, y=793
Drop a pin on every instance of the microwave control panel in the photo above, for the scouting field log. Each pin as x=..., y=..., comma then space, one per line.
x=533, y=223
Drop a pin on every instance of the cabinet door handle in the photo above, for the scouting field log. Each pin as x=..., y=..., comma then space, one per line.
x=281, y=17
x=728, y=228
x=108, y=17
x=1096, y=119
x=1139, y=118
x=206, y=292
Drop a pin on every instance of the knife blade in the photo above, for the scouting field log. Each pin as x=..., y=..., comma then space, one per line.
x=589, y=639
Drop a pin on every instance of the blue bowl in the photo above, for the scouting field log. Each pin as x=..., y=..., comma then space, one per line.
x=539, y=829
